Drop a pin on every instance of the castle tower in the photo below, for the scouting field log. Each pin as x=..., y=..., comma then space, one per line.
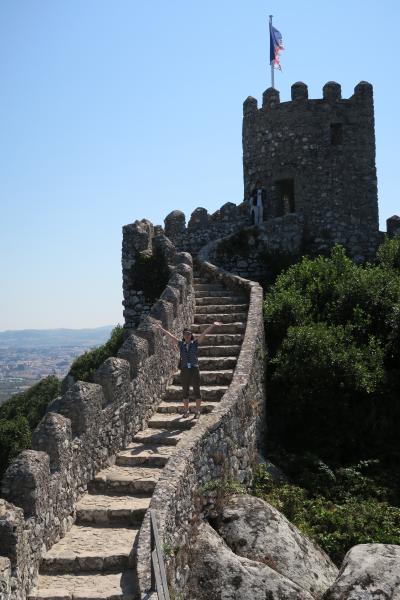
x=316, y=158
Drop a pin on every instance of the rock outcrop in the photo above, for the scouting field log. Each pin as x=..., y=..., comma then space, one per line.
x=219, y=574
x=256, y=530
x=369, y=572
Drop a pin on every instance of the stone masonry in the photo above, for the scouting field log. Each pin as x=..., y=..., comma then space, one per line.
x=317, y=158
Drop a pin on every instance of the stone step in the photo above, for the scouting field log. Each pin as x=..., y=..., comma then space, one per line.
x=147, y=455
x=166, y=421
x=235, y=317
x=218, y=351
x=202, y=298
x=99, y=508
x=212, y=363
x=96, y=548
x=220, y=308
x=86, y=586
x=236, y=327
x=222, y=339
x=208, y=392
x=208, y=287
x=159, y=436
x=221, y=377
x=125, y=480
x=177, y=407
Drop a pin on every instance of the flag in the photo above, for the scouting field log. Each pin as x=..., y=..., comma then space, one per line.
x=275, y=46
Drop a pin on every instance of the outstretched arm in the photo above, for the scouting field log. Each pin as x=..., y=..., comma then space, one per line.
x=170, y=335
x=201, y=337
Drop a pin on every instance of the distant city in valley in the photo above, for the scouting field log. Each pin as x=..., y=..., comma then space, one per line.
x=28, y=355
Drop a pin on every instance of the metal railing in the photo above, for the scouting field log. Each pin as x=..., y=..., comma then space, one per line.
x=158, y=575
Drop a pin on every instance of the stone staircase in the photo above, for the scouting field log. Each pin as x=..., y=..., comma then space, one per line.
x=95, y=559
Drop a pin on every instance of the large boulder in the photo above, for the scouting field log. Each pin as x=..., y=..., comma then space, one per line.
x=254, y=529
x=369, y=572
x=218, y=574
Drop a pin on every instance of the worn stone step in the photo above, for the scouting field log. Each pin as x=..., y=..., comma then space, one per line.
x=147, y=455
x=225, y=318
x=96, y=548
x=177, y=407
x=86, y=586
x=220, y=293
x=222, y=339
x=220, y=308
x=125, y=480
x=166, y=421
x=208, y=392
x=202, y=298
x=100, y=508
x=221, y=377
x=218, y=351
x=212, y=363
x=208, y=287
x=159, y=436
x=236, y=327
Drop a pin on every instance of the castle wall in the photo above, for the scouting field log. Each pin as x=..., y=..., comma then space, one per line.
x=224, y=445
x=249, y=252
x=317, y=158
x=83, y=429
x=202, y=228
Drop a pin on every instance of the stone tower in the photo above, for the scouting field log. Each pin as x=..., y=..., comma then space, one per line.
x=316, y=158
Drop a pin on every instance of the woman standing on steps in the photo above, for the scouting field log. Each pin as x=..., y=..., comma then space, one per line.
x=189, y=364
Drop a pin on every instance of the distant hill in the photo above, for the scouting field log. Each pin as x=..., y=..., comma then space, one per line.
x=48, y=338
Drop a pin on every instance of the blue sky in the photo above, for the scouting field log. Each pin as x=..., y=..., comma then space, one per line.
x=117, y=110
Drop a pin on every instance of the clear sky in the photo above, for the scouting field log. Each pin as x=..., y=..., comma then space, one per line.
x=117, y=110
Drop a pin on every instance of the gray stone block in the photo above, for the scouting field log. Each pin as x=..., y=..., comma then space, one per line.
x=53, y=436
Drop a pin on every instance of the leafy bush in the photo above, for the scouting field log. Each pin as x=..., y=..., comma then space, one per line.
x=32, y=403
x=84, y=367
x=15, y=436
x=20, y=415
x=333, y=336
x=352, y=511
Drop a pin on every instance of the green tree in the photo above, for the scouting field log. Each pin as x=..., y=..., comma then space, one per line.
x=84, y=367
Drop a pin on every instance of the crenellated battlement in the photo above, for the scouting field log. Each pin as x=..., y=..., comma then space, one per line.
x=203, y=227
x=331, y=93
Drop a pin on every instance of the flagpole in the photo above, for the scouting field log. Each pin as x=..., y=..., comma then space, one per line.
x=272, y=62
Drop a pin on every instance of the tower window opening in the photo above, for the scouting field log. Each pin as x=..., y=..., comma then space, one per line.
x=285, y=189
x=336, y=134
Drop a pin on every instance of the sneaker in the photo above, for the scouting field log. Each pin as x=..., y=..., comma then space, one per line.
x=197, y=414
x=185, y=414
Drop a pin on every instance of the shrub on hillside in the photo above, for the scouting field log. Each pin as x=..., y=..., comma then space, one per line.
x=84, y=367
x=19, y=416
x=333, y=337
x=353, y=511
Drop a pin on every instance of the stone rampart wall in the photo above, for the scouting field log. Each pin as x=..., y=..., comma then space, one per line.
x=83, y=429
x=223, y=445
x=202, y=228
x=248, y=251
